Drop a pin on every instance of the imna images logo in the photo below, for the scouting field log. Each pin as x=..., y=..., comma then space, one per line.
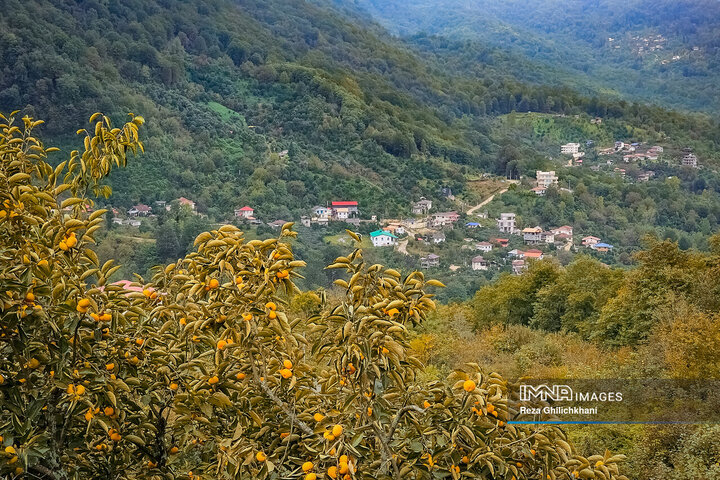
x=545, y=392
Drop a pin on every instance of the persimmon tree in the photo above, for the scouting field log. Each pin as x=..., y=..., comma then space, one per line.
x=200, y=372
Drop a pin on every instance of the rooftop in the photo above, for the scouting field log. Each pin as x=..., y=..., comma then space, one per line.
x=378, y=233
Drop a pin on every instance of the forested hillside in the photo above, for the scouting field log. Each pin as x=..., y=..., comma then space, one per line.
x=226, y=86
x=663, y=52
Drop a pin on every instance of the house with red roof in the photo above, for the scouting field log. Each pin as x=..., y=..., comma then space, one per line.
x=245, y=212
x=502, y=242
x=343, y=210
x=442, y=219
x=533, y=253
x=139, y=210
x=184, y=202
x=564, y=230
x=589, y=241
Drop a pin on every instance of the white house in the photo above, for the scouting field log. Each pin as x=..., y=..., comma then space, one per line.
x=441, y=219
x=321, y=212
x=245, y=212
x=344, y=210
x=381, y=238
x=422, y=206
x=590, y=240
x=479, y=263
x=545, y=179
x=515, y=253
x=506, y=223
x=484, y=247
x=139, y=210
x=564, y=230
x=570, y=148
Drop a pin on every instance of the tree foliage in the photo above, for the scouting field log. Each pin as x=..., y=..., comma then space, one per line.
x=201, y=372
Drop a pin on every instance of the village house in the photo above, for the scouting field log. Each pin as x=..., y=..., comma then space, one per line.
x=437, y=237
x=132, y=221
x=430, y=261
x=381, y=238
x=277, y=224
x=645, y=176
x=601, y=247
x=563, y=238
x=484, y=247
x=656, y=149
x=539, y=191
x=502, y=242
x=472, y=225
x=570, y=148
x=536, y=235
x=184, y=202
x=518, y=267
x=506, y=223
x=247, y=213
x=606, y=151
x=395, y=228
x=319, y=211
x=536, y=254
x=479, y=263
x=564, y=230
x=515, y=253
x=344, y=210
x=689, y=160
x=422, y=206
x=531, y=235
x=139, y=210
x=442, y=219
x=619, y=146
x=590, y=241
x=545, y=179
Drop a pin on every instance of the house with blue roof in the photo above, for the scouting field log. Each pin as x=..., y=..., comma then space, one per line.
x=602, y=247
x=382, y=238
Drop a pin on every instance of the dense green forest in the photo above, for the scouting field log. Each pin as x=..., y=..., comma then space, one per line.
x=227, y=86
x=664, y=52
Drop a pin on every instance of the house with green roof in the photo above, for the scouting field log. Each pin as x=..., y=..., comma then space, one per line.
x=382, y=238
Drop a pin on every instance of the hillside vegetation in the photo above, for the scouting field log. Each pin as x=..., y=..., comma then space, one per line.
x=663, y=52
x=233, y=84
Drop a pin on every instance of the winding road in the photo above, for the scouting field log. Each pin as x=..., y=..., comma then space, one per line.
x=486, y=201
